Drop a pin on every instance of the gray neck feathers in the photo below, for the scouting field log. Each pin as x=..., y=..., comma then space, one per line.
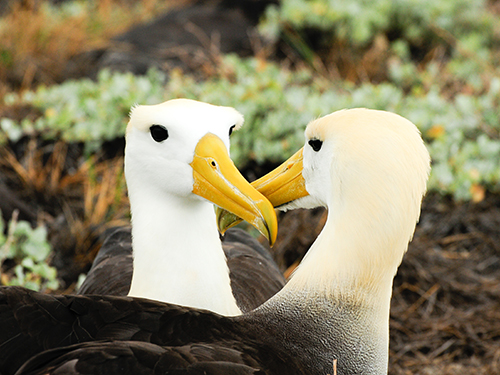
x=315, y=330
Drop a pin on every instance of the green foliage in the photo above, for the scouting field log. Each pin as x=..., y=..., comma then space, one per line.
x=461, y=132
x=358, y=21
x=87, y=111
x=29, y=249
x=462, y=34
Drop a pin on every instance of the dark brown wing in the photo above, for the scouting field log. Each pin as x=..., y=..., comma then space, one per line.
x=182, y=339
x=255, y=277
x=132, y=357
x=111, y=272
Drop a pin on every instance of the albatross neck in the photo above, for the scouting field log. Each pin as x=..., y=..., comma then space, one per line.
x=178, y=256
x=353, y=258
x=338, y=300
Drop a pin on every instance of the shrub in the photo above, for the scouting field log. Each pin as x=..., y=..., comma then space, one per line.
x=461, y=131
x=29, y=250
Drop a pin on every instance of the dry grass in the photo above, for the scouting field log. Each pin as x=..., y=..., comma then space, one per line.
x=445, y=315
x=38, y=41
x=77, y=199
x=105, y=205
x=36, y=175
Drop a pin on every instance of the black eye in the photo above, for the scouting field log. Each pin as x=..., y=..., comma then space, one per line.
x=315, y=144
x=158, y=132
x=231, y=129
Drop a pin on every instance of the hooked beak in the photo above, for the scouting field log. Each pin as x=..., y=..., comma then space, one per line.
x=218, y=180
x=282, y=185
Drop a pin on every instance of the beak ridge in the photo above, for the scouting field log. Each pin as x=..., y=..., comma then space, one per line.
x=218, y=180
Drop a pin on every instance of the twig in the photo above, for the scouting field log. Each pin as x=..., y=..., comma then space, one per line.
x=334, y=367
x=421, y=300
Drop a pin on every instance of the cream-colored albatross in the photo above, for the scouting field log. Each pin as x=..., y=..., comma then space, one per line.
x=177, y=253
x=370, y=169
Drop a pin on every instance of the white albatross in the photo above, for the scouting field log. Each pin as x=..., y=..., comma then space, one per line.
x=176, y=166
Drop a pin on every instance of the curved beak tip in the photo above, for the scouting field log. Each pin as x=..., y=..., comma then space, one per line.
x=267, y=226
x=225, y=219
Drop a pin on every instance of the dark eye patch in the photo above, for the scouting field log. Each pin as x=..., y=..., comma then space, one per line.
x=315, y=144
x=231, y=129
x=158, y=132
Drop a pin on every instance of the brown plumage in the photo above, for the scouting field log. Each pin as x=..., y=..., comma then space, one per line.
x=170, y=336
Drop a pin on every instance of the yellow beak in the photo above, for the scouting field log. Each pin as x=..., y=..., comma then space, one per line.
x=282, y=185
x=218, y=180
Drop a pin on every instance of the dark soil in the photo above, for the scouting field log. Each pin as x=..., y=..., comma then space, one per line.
x=445, y=315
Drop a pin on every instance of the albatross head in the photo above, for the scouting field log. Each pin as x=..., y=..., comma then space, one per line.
x=367, y=165
x=369, y=168
x=179, y=149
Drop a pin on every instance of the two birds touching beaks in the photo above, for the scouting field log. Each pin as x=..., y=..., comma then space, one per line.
x=368, y=167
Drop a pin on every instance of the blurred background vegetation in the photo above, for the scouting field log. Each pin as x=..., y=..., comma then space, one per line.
x=71, y=70
x=61, y=129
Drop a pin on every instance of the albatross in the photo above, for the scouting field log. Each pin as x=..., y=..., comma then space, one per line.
x=370, y=169
x=176, y=166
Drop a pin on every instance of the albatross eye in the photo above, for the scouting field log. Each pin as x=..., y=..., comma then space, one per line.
x=158, y=132
x=231, y=129
x=315, y=144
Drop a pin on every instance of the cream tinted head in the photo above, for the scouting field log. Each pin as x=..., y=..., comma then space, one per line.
x=374, y=159
x=370, y=169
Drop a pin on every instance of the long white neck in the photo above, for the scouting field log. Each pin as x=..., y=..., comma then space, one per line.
x=341, y=292
x=178, y=256
x=364, y=239
x=350, y=260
